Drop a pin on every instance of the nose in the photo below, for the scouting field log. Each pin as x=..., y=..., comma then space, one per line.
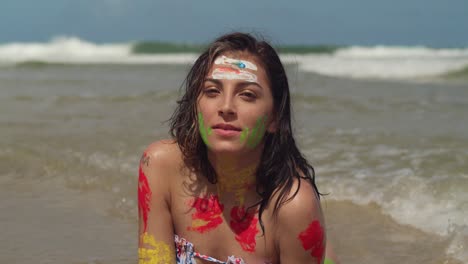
x=227, y=106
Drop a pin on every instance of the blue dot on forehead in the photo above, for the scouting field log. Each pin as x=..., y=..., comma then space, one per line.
x=241, y=64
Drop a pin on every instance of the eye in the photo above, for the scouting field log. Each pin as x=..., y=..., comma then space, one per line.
x=249, y=95
x=211, y=91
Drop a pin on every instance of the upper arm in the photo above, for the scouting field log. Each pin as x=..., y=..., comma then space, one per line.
x=301, y=227
x=156, y=235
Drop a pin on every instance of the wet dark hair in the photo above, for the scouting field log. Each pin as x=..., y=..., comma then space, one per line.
x=281, y=161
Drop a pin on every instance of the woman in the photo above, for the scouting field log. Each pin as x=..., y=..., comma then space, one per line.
x=232, y=186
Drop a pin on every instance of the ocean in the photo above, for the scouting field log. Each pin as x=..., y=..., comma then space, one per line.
x=385, y=127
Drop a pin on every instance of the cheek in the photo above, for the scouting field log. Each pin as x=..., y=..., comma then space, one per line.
x=206, y=107
x=251, y=113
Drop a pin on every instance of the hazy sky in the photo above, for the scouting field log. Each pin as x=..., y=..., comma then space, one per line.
x=434, y=23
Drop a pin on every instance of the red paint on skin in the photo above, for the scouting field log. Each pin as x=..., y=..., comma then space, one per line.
x=228, y=69
x=244, y=224
x=144, y=196
x=207, y=215
x=312, y=239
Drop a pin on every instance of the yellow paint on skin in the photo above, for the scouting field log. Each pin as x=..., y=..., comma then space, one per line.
x=154, y=252
x=198, y=222
x=239, y=181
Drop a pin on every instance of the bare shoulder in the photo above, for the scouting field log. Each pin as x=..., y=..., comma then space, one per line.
x=160, y=160
x=161, y=154
x=302, y=203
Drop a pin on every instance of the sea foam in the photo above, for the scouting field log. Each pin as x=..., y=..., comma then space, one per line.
x=384, y=62
x=72, y=50
x=387, y=62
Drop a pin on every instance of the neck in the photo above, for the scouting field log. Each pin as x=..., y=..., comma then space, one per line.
x=235, y=174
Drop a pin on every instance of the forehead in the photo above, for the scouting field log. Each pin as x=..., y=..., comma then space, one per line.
x=243, y=62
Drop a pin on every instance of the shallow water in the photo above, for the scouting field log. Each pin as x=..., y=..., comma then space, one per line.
x=391, y=154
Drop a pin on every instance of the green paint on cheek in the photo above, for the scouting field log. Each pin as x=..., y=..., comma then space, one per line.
x=328, y=261
x=244, y=134
x=256, y=134
x=204, y=131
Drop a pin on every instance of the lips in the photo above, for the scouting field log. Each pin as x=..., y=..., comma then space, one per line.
x=226, y=127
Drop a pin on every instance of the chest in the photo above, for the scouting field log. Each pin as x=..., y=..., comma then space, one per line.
x=221, y=230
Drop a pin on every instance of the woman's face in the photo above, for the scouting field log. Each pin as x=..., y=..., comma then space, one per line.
x=235, y=104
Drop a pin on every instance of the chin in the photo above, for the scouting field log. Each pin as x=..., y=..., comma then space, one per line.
x=226, y=147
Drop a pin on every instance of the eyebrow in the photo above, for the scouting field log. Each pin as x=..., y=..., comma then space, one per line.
x=218, y=82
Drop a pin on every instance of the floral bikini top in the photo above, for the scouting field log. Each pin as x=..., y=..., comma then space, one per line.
x=185, y=254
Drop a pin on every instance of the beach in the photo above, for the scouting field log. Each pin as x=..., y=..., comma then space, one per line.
x=390, y=153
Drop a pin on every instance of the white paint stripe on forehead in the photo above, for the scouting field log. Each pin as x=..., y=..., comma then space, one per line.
x=219, y=74
x=241, y=64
